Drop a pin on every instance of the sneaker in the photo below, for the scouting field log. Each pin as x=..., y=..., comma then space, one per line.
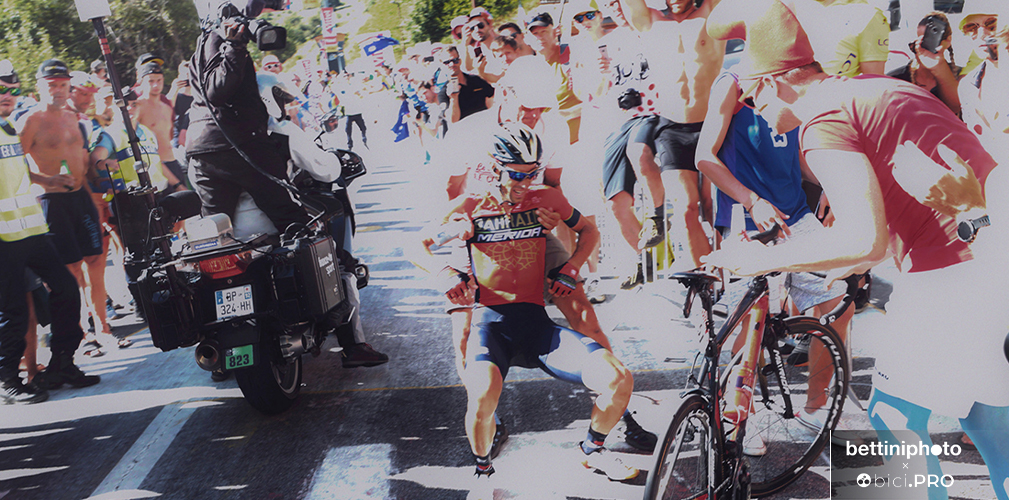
x=637, y=436
x=653, y=231
x=634, y=280
x=362, y=355
x=754, y=445
x=14, y=392
x=811, y=421
x=800, y=355
x=604, y=461
x=592, y=291
x=500, y=438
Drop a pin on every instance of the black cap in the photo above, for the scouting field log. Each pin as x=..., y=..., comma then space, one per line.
x=52, y=68
x=7, y=73
x=149, y=68
x=150, y=58
x=541, y=19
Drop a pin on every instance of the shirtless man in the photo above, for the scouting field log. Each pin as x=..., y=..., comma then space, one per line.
x=156, y=115
x=52, y=137
x=686, y=75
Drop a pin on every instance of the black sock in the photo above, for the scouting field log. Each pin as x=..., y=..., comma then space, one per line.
x=482, y=463
x=593, y=441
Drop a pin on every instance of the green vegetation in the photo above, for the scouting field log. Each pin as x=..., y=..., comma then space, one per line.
x=35, y=30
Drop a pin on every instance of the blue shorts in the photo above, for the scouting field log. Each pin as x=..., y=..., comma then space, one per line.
x=523, y=335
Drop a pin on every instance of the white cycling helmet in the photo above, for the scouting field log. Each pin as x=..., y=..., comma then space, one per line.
x=514, y=142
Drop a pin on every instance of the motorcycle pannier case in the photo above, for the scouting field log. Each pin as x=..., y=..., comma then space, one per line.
x=318, y=271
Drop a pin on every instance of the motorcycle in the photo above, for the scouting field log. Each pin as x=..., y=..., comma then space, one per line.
x=253, y=301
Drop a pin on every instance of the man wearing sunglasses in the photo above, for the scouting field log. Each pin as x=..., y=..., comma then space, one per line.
x=465, y=93
x=558, y=56
x=982, y=93
x=506, y=245
x=900, y=171
x=477, y=35
x=272, y=64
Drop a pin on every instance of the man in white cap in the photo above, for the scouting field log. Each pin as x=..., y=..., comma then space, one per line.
x=905, y=177
x=272, y=64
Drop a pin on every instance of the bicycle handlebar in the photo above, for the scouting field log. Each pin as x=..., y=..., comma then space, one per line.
x=849, y=297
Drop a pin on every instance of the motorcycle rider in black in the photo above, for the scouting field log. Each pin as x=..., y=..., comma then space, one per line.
x=226, y=77
x=228, y=115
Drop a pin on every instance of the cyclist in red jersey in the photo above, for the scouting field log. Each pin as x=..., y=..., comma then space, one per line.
x=900, y=170
x=506, y=249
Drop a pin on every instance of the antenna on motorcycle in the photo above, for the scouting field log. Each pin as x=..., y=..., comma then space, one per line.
x=96, y=11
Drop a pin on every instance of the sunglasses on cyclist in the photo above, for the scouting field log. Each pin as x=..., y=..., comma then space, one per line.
x=517, y=176
x=583, y=16
x=478, y=26
x=14, y=91
x=991, y=24
x=454, y=60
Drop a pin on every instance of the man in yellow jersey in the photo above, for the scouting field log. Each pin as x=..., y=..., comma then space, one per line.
x=24, y=244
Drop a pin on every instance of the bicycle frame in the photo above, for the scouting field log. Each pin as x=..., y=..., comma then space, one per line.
x=752, y=314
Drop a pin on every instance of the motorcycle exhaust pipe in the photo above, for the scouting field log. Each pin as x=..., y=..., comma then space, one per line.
x=208, y=355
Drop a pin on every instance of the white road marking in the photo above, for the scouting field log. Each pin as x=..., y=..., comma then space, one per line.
x=138, y=462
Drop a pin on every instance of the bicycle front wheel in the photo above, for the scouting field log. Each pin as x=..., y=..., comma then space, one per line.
x=797, y=404
x=687, y=460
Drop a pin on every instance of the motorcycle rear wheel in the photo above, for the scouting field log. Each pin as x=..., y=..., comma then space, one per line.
x=273, y=384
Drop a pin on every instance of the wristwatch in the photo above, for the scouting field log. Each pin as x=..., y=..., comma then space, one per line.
x=967, y=230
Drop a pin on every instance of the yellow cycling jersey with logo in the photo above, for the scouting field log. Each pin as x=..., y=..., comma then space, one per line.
x=148, y=150
x=20, y=213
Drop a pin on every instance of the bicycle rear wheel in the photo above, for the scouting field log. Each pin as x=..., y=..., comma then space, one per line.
x=687, y=460
x=794, y=438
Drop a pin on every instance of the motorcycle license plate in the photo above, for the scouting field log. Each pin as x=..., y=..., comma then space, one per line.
x=238, y=357
x=233, y=302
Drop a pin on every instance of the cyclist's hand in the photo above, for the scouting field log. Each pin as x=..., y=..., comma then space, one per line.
x=460, y=288
x=743, y=258
x=823, y=211
x=548, y=218
x=565, y=280
x=765, y=216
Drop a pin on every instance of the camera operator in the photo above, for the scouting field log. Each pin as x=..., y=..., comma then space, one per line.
x=228, y=115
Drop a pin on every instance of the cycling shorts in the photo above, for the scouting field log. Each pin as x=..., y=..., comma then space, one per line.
x=74, y=226
x=522, y=334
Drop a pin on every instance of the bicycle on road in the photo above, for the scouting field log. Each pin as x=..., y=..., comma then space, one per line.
x=760, y=397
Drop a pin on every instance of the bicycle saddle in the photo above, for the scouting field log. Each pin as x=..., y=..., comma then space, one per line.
x=695, y=277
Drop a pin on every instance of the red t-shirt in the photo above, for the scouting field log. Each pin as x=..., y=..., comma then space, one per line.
x=874, y=114
x=509, y=244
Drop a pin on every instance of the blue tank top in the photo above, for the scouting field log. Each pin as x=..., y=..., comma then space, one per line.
x=763, y=161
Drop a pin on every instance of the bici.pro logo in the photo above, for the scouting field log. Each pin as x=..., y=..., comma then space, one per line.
x=885, y=469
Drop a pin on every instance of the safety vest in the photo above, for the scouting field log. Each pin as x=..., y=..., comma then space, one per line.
x=20, y=213
x=149, y=150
